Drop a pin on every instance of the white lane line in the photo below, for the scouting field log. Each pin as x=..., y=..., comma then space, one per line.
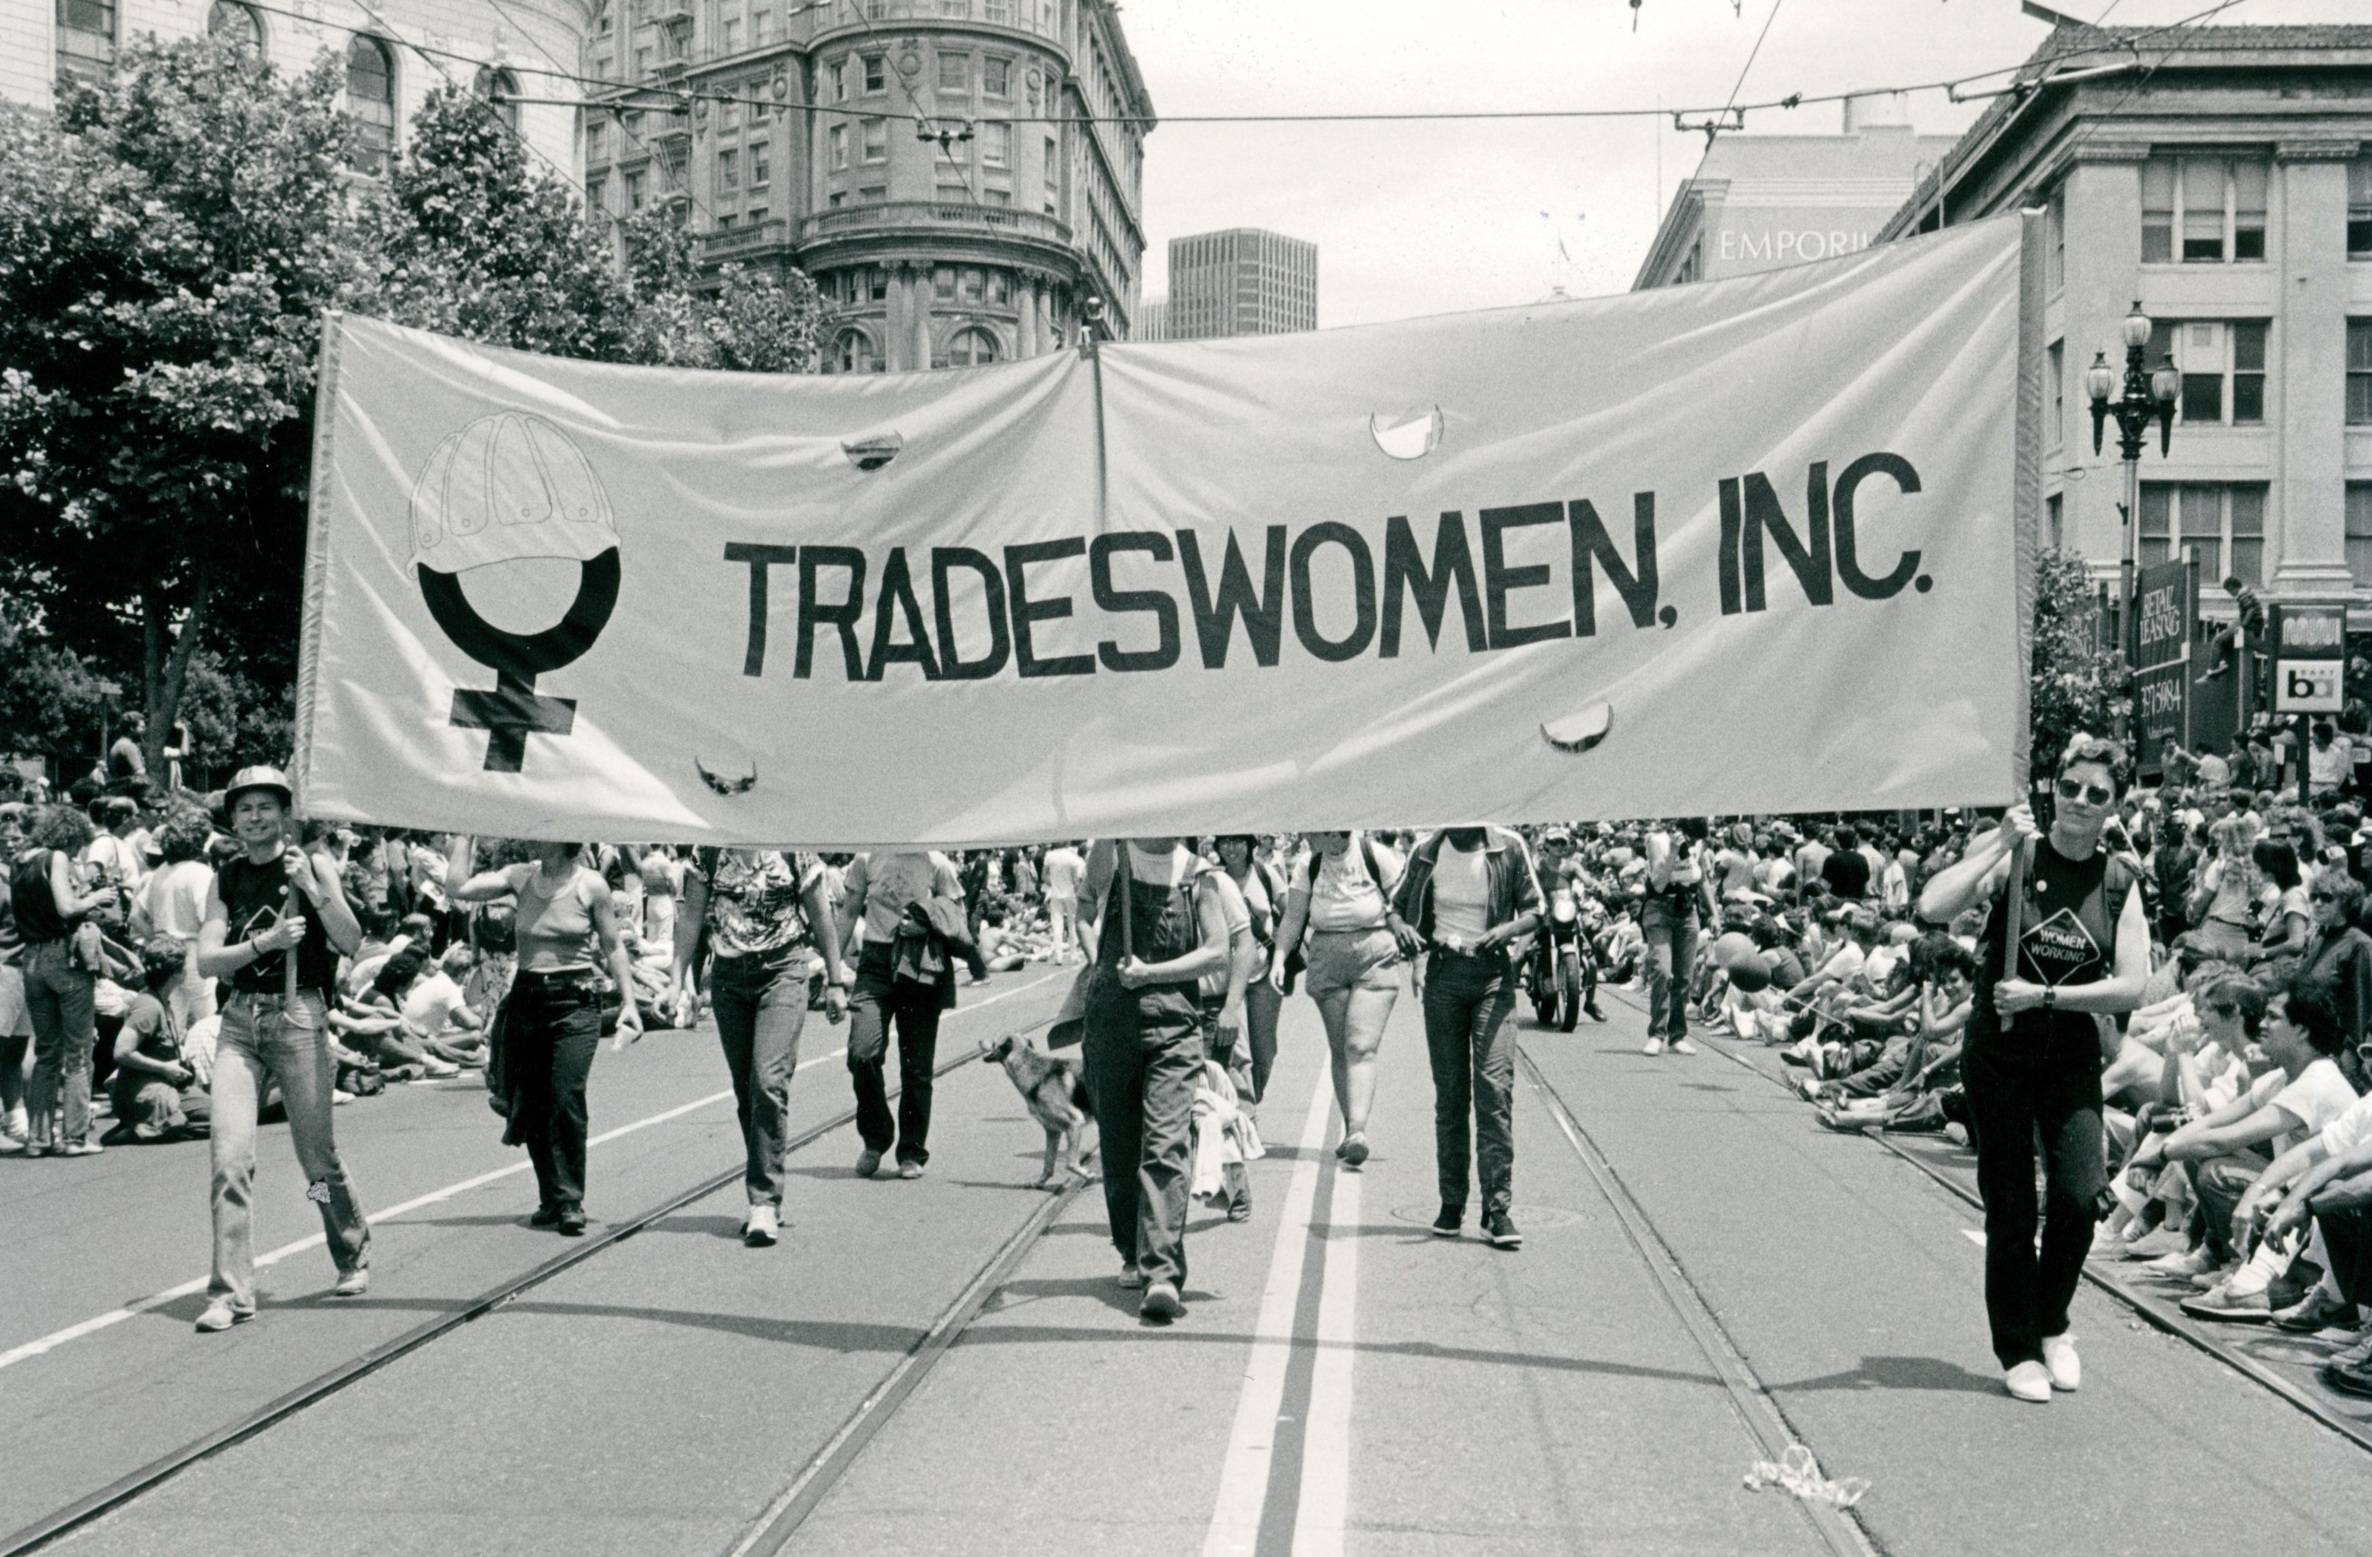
x=1324, y=1510
x=1251, y=1443
x=132, y=1310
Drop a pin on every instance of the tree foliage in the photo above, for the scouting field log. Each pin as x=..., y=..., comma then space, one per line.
x=2078, y=682
x=169, y=243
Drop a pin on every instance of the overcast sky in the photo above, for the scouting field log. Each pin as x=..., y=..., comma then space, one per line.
x=1428, y=218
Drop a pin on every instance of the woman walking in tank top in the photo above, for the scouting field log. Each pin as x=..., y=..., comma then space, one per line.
x=551, y=1022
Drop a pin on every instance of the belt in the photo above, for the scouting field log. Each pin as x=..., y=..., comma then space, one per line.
x=259, y=997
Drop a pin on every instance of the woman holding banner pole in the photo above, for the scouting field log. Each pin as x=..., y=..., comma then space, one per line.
x=2034, y=1050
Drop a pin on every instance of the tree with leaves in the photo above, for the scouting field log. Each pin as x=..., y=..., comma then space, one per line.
x=2079, y=683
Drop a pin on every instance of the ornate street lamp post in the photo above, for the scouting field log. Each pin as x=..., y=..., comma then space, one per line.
x=2146, y=397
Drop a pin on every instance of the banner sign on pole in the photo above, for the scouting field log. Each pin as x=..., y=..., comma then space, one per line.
x=2161, y=674
x=2309, y=659
x=1742, y=546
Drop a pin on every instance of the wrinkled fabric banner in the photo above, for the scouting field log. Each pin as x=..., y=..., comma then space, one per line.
x=1742, y=546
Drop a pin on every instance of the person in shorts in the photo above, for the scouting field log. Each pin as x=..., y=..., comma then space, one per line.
x=1336, y=915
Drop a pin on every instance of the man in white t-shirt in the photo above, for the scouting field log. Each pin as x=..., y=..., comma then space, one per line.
x=1060, y=875
x=2326, y=1182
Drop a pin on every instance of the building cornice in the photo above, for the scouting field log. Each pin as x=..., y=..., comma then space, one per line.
x=2318, y=149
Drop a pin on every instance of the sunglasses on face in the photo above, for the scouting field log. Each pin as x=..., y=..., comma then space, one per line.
x=2322, y=897
x=2093, y=794
x=2224, y=1010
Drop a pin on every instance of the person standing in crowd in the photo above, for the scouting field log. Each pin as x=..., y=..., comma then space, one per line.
x=1062, y=874
x=1846, y=869
x=1470, y=893
x=2174, y=863
x=1341, y=895
x=1264, y=898
x=127, y=764
x=880, y=887
x=1160, y=927
x=172, y=902
x=16, y=1022
x=1669, y=920
x=771, y=933
x=2033, y=1057
x=60, y=970
x=566, y=929
x=275, y=924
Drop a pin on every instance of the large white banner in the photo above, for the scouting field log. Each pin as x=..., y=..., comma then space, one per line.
x=1740, y=546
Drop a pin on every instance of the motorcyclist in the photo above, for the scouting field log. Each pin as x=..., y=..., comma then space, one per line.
x=1561, y=866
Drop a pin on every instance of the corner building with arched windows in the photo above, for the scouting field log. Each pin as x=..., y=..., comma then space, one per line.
x=395, y=53
x=959, y=177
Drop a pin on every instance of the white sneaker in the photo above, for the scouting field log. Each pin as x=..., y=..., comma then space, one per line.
x=353, y=1283
x=2062, y=1363
x=2189, y=1262
x=1683, y=1046
x=2030, y=1382
x=438, y=1069
x=762, y=1228
x=1652, y=1046
x=336, y=1097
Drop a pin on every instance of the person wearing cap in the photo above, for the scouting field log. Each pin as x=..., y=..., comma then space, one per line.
x=276, y=922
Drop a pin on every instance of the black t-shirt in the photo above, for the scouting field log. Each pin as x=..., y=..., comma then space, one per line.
x=1847, y=872
x=30, y=897
x=253, y=896
x=2067, y=935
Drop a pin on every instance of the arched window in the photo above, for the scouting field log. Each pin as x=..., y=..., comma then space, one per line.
x=370, y=102
x=971, y=348
x=230, y=20
x=853, y=353
x=86, y=39
x=501, y=88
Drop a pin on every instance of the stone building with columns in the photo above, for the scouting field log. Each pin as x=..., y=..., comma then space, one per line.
x=2222, y=177
x=523, y=53
x=962, y=178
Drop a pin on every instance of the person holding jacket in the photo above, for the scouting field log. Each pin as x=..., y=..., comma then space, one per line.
x=879, y=889
x=1468, y=896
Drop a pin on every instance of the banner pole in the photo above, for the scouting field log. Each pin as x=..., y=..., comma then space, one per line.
x=2026, y=498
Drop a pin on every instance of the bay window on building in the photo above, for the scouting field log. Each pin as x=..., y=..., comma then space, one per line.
x=2223, y=368
x=2203, y=210
x=2224, y=522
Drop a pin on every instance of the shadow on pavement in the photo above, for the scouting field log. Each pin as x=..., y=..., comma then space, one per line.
x=1904, y=1373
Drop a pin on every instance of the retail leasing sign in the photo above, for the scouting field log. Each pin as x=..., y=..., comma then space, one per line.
x=1740, y=546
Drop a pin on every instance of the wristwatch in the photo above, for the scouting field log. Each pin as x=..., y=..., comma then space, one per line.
x=2050, y=1000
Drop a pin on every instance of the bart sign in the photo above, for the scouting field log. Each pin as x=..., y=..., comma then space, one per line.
x=1739, y=546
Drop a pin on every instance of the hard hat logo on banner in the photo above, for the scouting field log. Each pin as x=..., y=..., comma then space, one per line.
x=507, y=487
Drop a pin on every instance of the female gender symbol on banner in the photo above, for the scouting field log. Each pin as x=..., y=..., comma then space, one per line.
x=507, y=487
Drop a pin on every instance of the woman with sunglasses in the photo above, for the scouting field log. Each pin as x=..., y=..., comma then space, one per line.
x=2288, y=913
x=2034, y=1053
x=2225, y=901
x=2338, y=956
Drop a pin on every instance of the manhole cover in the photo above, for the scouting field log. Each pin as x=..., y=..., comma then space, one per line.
x=1526, y=1217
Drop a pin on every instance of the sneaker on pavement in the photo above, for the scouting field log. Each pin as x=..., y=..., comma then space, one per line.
x=2062, y=1364
x=2157, y=1244
x=2230, y=1306
x=2030, y=1382
x=1161, y=1304
x=353, y=1283
x=2318, y=1310
x=2356, y=1354
x=438, y=1069
x=1131, y=1279
x=762, y=1228
x=572, y=1222
x=868, y=1163
x=910, y=1170
x=78, y=1149
x=545, y=1216
x=1589, y=1008
x=338, y=1097
x=2353, y=1379
x=1683, y=1046
x=1501, y=1228
x=2185, y=1263
x=1652, y=1046
x=219, y=1315
x=1450, y=1223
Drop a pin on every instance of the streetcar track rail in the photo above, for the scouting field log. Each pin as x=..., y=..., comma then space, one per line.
x=125, y=1489
x=2159, y=1314
x=1749, y=1396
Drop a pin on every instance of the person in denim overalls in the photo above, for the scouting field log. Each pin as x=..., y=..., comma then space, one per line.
x=1143, y=1049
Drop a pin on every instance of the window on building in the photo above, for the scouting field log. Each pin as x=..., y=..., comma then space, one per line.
x=237, y=23
x=837, y=74
x=637, y=188
x=876, y=140
x=757, y=214
x=2057, y=278
x=2054, y=523
x=2223, y=367
x=597, y=195
x=943, y=283
x=971, y=348
x=725, y=221
x=839, y=141
x=1002, y=198
x=500, y=88
x=728, y=170
x=1000, y=288
x=2223, y=522
x=729, y=35
x=959, y=9
x=873, y=194
x=2359, y=372
x=2359, y=532
x=853, y=353
x=975, y=286
x=2359, y=209
x=729, y=108
x=996, y=145
x=2055, y=367
x=837, y=199
x=761, y=25
x=86, y=38
x=955, y=72
x=761, y=165
x=996, y=77
x=642, y=63
x=596, y=141
x=876, y=73
x=370, y=102
x=954, y=194
x=996, y=11
x=2203, y=210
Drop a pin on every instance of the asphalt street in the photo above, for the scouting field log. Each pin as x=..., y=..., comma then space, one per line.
x=1343, y=1381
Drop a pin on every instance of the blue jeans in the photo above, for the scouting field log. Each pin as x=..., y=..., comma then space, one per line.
x=1470, y=1038
x=1671, y=953
x=265, y=1040
x=65, y=1032
x=760, y=1004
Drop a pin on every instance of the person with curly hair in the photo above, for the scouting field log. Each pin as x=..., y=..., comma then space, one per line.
x=172, y=902
x=47, y=893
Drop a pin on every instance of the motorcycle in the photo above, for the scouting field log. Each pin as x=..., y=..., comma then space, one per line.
x=1554, y=971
